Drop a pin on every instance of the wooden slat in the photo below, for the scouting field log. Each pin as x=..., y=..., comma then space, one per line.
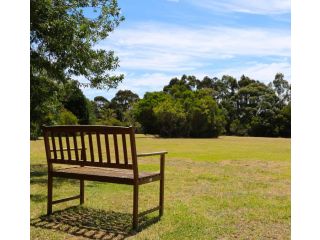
x=98, y=178
x=149, y=211
x=91, y=128
x=61, y=146
x=124, y=145
x=116, y=149
x=99, y=147
x=149, y=180
x=65, y=199
x=71, y=149
x=94, y=164
x=107, y=148
x=48, y=150
x=75, y=144
x=54, y=146
x=83, y=146
x=91, y=147
x=134, y=156
x=68, y=146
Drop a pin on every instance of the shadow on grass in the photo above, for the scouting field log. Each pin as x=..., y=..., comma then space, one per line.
x=92, y=223
x=39, y=173
x=38, y=170
x=56, y=181
x=38, y=197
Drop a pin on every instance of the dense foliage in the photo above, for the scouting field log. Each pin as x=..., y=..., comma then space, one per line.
x=189, y=107
x=183, y=114
x=63, y=36
x=116, y=112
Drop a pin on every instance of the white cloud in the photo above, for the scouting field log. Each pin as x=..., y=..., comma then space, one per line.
x=171, y=48
x=259, y=71
x=149, y=80
x=263, y=7
x=151, y=54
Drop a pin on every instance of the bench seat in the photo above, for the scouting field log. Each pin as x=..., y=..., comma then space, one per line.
x=113, y=175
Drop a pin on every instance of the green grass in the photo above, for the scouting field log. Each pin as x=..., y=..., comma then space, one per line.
x=225, y=188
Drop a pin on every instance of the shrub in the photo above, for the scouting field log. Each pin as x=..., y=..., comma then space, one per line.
x=171, y=119
x=67, y=118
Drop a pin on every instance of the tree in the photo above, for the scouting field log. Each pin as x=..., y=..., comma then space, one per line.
x=123, y=102
x=101, y=101
x=245, y=81
x=74, y=100
x=283, y=120
x=62, y=38
x=44, y=104
x=109, y=117
x=171, y=118
x=180, y=111
x=91, y=110
x=206, y=118
x=62, y=47
x=178, y=85
x=100, y=104
x=206, y=83
x=144, y=111
x=255, y=110
x=282, y=89
x=67, y=118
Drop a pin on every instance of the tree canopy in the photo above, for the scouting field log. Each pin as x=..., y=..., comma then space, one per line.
x=179, y=111
x=63, y=38
x=123, y=102
x=189, y=107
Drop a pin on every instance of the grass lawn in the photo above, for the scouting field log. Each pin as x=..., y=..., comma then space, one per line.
x=225, y=188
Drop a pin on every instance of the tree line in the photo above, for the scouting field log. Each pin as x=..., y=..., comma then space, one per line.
x=186, y=107
x=189, y=107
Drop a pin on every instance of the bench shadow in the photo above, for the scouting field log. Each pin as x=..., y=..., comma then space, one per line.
x=38, y=197
x=92, y=223
x=38, y=170
x=39, y=173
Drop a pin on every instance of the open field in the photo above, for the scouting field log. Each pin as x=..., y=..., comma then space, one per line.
x=225, y=188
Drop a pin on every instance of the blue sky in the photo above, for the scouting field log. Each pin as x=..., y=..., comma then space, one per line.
x=162, y=39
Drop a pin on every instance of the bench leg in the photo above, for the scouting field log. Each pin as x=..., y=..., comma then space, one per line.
x=81, y=191
x=49, y=200
x=161, y=195
x=135, y=206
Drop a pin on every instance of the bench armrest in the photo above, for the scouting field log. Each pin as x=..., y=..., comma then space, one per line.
x=162, y=157
x=151, y=154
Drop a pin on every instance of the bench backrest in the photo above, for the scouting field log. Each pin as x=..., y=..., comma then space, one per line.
x=87, y=145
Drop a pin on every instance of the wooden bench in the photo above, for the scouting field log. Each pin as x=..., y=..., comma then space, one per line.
x=99, y=153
